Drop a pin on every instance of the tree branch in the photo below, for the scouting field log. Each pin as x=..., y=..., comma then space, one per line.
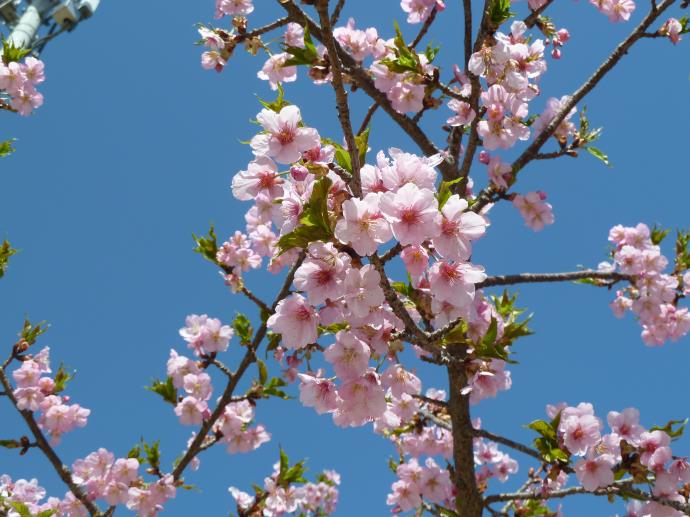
x=622, y=49
x=529, y=278
x=533, y=18
x=249, y=358
x=42, y=443
x=469, y=501
x=340, y=95
x=361, y=77
x=621, y=488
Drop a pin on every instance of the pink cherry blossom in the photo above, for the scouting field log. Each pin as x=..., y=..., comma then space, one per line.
x=595, y=472
x=348, y=355
x=455, y=281
x=284, y=140
x=413, y=214
x=534, y=210
x=296, y=321
x=363, y=226
x=275, y=72
x=458, y=228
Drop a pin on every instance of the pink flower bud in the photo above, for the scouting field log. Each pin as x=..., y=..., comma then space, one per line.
x=556, y=53
x=563, y=35
x=484, y=158
x=299, y=172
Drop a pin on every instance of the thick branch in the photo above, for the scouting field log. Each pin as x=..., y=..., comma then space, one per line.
x=42, y=443
x=340, y=95
x=469, y=501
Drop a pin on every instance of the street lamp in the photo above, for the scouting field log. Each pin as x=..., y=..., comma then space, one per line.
x=25, y=24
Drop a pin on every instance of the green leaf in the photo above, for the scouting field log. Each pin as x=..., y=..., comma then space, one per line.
x=431, y=52
x=658, y=235
x=302, y=56
x=6, y=251
x=10, y=444
x=46, y=513
x=499, y=12
x=599, y=155
x=315, y=224
x=263, y=372
x=272, y=389
x=544, y=429
x=207, y=246
x=243, y=328
x=403, y=288
x=284, y=463
x=277, y=104
x=62, y=377
x=135, y=452
x=362, y=143
x=333, y=328
x=165, y=389
x=6, y=147
x=11, y=53
x=31, y=332
x=674, y=428
x=445, y=192
x=153, y=454
x=21, y=509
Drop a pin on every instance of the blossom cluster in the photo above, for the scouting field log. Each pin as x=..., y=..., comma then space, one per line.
x=627, y=447
x=308, y=499
x=653, y=295
x=117, y=481
x=37, y=391
x=208, y=336
x=19, y=81
x=429, y=482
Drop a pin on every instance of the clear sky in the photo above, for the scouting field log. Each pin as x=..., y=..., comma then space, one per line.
x=134, y=150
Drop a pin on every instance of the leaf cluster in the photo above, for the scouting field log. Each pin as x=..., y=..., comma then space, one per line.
x=315, y=224
x=6, y=251
x=165, y=389
x=547, y=442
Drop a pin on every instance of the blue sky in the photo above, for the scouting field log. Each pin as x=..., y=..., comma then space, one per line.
x=134, y=150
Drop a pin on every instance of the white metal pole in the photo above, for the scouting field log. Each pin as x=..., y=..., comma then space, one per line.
x=26, y=29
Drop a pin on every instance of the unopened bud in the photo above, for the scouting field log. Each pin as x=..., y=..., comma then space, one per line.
x=299, y=172
x=484, y=157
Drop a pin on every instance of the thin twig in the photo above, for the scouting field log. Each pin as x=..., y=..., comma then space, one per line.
x=259, y=303
x=425, y=28
x=367, y=118
x=528, y=278
x=533, y=18
x=248, y=359
x=340, y=95
x=336, y=12
x=42, y=443
x=362, y=79
x=485, y=197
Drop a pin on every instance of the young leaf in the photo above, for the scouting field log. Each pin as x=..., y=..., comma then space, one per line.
x=165, y=389
x=243, y=328
x=315, y=223
x=6, y=147
x=6, y=251
x=598, y=155
x=62, y=377
x=153, y=454
x=207, y=246
x=10, y=444
x=263, y=372
x=11, y=53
